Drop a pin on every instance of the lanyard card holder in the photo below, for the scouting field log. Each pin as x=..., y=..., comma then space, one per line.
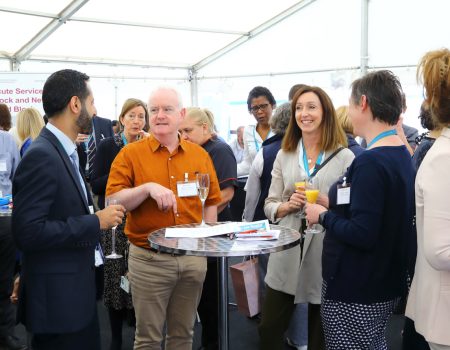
x=187, y=188
x=343, y=193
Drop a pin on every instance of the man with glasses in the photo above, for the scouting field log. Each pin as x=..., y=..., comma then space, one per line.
x=146, y=177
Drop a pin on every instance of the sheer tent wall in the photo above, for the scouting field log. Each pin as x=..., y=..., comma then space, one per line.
x=214, y=52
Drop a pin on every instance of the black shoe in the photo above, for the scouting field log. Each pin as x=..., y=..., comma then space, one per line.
x=11, y=343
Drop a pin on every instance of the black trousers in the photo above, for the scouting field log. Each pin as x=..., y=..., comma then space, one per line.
x=276, y=314
x=411, y=339
x=87, y=338
x=208, y=308
x=7, y=264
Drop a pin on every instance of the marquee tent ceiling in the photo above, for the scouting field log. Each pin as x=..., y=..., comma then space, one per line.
x=219, y=38
x=169, y=33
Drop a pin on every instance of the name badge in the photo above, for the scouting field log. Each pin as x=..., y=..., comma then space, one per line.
x=343, y=195
x=3, y=165
x=91, y=209
x=187, y=189
x=125, y=284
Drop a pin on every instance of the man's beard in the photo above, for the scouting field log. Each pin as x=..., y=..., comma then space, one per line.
x=84, y=121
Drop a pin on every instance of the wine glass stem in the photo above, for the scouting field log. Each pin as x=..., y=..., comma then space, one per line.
x=203, y=212
x=113, y=239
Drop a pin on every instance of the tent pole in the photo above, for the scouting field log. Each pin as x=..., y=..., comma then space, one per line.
x=364, y=36
x=193, y=80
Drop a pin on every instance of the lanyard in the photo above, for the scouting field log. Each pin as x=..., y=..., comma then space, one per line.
x=125, y=142
x=257, y=146
x=382, y=135
x=305, y=160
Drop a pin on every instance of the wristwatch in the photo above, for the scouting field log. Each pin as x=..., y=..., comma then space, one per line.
x=322, y=217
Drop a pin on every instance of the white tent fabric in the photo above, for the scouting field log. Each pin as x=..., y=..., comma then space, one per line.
x=216, y=51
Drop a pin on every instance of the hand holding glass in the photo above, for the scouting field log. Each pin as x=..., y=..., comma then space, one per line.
x=113, y=254
x=203, y=189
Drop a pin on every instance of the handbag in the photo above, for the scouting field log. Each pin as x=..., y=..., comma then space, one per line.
x=245, y=280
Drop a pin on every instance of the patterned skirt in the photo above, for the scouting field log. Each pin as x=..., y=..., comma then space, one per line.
x=113, y=296
x=352, y=326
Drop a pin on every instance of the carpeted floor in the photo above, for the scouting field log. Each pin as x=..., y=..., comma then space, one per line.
x=243, y=331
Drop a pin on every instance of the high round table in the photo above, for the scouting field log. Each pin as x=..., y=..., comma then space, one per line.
x=222, y=247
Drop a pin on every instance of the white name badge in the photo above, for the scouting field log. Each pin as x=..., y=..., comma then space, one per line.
x=187, y=189
x=343, y=195
x=125, y=284
x=3, y=165
x=91, y=209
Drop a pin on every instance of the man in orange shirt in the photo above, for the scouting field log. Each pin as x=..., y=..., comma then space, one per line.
x=143, y=177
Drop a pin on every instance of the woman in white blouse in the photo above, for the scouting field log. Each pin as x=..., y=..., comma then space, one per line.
x=429, y=297
x=260, y=103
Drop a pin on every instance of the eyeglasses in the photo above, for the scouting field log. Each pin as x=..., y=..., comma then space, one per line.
x=134, y=116
x=256, y=108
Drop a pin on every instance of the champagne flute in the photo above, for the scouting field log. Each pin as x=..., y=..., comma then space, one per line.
x=113, y=254
x=203, y=189
x=299, y=186
x=312, y=193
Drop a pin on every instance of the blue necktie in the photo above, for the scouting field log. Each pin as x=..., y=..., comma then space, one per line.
x=76, y=165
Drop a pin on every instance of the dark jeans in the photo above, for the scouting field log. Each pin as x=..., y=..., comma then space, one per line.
x=87, y=339
x=208, y=308
x=411, y=339
x=275, y=316
x=7, y=263
x=316, y=337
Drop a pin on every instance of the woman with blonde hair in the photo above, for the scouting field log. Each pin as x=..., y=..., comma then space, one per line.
x=429, y=297
x=346, y=123
x=29, y=125
x=198, y=127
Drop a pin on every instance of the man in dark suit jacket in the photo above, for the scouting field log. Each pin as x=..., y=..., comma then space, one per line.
x=54, y=225
x=101, y=129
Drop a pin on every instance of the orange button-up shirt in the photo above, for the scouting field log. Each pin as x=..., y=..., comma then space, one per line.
x=148, y=161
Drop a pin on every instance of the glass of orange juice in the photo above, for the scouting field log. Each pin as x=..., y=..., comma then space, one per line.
x=300, y=186
x=312, y=193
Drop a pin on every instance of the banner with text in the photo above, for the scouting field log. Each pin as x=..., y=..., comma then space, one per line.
x=19, y=91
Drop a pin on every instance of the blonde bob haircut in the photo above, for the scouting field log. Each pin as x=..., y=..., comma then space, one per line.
x=29, y=123
x=201, y=116
x=332, y=134
x=344, y=120
x=434, y=72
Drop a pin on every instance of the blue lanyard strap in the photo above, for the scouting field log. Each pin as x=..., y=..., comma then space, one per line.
x=382, y=135
x=257, y=146
x=125, y=142
x=305, y=161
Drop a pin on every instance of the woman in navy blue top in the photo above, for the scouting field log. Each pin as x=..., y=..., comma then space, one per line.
x=369, y=229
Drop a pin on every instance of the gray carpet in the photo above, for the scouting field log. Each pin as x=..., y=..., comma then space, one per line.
x=243, y=331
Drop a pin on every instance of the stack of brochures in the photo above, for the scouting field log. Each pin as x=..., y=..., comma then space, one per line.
x=255, y=231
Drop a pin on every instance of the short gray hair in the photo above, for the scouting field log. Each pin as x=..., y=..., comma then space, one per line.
x=280, y=119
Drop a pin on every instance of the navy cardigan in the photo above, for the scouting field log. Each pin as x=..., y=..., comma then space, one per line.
x=368, y=242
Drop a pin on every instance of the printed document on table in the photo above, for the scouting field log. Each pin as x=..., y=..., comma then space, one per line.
x=201, y=232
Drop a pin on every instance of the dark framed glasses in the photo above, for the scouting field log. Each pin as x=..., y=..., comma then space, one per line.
x=256, y=108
